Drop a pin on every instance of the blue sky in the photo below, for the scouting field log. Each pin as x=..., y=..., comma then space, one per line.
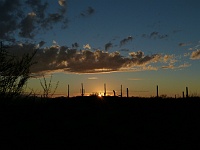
x=136, y=43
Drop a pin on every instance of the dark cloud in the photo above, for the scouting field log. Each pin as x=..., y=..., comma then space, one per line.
x=184, y=44
x=163, y=36
x=155, y=35
x=10, y=13
x=27, y=26
x=126, y=40
x=62, y=58
x=41, y=43
x=108, y=46
x=75, y=45
x=140, y=59
x=22, y=48
x=38, y=8
x=52, y=19
x=28, y=17
x=89, y=11
x=44, y=19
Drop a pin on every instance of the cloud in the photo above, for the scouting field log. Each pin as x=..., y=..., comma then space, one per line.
x=27, y=26
x=62, y=2
x=185, y=65
x=171, y=59
x=40, y=44
x=87, y=46
x=16, y=21
x=9, y=19
x=54, y=42
x=182, y=44
x=186, y=54
x=89, y=11
x=38, y=8
x=139, y=58
x=75, y=45
x=195, y=55
x=92, y=78
x=196, y=47
x=126, y=40
x=155, y=35
x=58, y=58
x=172, y=66
x=108, y=46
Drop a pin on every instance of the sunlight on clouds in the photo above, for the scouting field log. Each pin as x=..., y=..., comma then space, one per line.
x=185, y=65
x=171, y=66
x=87, y=46
x=67, y=59
x=170, y=58
x=150, y=67
x=195, y=55
x=92, y=78
x=62, y=2
x=32, y=14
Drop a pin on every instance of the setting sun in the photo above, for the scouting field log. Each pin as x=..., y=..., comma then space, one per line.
x=100, y=95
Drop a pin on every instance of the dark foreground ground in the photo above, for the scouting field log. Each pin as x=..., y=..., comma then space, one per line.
x=106, y=123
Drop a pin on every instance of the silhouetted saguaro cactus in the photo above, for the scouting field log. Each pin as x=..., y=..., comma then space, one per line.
x=186, y=92
x=121, y=91
x=114, y=92
x=82, y=90
x=157, y=91
x=127, y=92
x=104, y=89
x=68, y=91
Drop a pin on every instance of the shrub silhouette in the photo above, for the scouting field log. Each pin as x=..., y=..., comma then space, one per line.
x=14, y=73
x=47, y=87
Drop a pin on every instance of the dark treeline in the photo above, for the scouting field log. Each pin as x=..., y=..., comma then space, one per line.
x=100, y=123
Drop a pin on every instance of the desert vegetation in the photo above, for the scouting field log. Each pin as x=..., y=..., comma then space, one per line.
x=14, y=73
x=106, y=122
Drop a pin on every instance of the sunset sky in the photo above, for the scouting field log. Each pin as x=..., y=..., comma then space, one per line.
x=138, y=44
